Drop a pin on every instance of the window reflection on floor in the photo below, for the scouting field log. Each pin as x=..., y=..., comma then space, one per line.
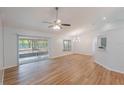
x=33, y=59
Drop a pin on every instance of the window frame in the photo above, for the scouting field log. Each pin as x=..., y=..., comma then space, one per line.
x=68, y=46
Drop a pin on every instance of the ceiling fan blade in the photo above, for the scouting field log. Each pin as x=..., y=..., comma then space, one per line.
x=47, y=22
x=66, y=24
x=50, y=26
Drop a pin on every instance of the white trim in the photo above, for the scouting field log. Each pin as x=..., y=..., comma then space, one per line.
x=61, y=55
x=9, y=66
x=2, y=21
x=31, y=36
x=70, y=54
x=2, y=76
x=17, y=48
x=88, y=54
x=37, y=37
x=109, y=68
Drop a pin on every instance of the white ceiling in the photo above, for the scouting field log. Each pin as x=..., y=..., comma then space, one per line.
x=31, y=18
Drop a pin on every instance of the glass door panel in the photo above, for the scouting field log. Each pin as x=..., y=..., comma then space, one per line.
x=32, y=50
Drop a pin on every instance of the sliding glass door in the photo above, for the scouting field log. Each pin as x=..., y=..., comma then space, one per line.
x=32, y=49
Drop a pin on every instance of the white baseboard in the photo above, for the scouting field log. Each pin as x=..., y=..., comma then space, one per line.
x=9, y=66
x=60, y=56
x=84, y=54
x=109, y=68
x=70, y=54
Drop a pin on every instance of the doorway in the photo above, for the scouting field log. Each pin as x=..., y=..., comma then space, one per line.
x=32, y=49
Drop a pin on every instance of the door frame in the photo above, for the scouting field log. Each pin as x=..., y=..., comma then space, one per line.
x=40, y=37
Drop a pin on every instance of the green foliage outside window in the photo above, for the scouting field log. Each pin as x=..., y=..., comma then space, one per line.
x=32, y=43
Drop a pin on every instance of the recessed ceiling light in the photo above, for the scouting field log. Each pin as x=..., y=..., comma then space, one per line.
x=104, y=18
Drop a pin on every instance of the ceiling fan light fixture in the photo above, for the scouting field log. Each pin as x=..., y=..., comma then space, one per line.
x=58, y=21
x=56, y=27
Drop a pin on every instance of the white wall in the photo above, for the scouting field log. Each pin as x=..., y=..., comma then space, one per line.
x=113, y=57
x=10, y=47
x=10, y=41
x=57, y=46
x=85, y=35
x=84, y=45
x=1, y=45
x=1, y=51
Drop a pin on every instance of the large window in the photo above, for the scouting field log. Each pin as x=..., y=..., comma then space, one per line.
x=66, y=45
x=25, y=43
x=33, y=44
x=32, y=49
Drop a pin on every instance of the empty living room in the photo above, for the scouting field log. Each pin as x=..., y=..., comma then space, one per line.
x=61, y=45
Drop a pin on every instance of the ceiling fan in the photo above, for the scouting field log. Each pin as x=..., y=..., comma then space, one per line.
x=57, y=24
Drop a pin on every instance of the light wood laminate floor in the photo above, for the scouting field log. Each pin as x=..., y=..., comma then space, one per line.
x=72, y=69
